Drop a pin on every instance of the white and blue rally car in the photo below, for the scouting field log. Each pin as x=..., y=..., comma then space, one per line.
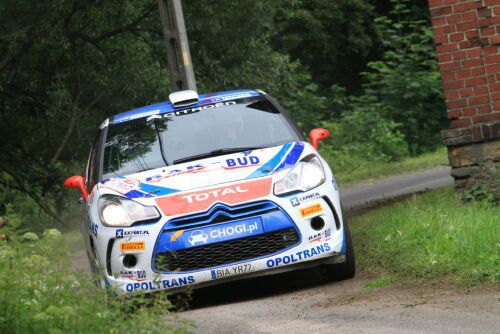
x=204, y=189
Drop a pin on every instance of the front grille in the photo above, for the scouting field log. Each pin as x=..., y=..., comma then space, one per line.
x=226, y=252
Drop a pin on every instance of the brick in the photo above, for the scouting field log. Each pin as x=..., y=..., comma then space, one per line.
x=447, y=76
x=476, y=82
x=472, y=34
x=456, y=104
x=496, y=106
x=474, y=53
x=458, y=55
x=477, y=100
x=464, y=7
x=451, y=95
x=466, y=92
x=453, y=114
x=495, y=40
x=477, y=71
x=492, y=68
x=481, y=90
x=438, y=21
x=472, y=63
x=458, y=123
x=484, y=22
x=484, y=118
x=435, y=12
x=471, y=43
x=453, y=84
x=495, y=87
x=487, y=31
x=459, y=36
x=495, y=97
x=443, y=30
x=484, y=12
x=490, y=50
x=446, y=47
x=466, y=26
x=453, y=19
x=484, y=109
x=446, y=67
x=469, y=111
x=490, y=2
x=441, y=39
x=463, y=74
x=493, y=59
x=444, y=58
x=496, y=10
x=435, y=3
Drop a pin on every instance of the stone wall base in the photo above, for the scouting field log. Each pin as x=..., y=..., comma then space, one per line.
x=476, y=167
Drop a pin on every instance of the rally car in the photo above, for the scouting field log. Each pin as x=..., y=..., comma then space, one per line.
x=203, y=189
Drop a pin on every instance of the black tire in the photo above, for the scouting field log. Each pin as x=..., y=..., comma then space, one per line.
x=345, y=270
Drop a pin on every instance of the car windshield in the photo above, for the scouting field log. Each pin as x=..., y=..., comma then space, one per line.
x=194, y=133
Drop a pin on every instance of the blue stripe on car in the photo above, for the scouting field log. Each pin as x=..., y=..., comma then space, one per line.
x=269, y=166
x=292, y=157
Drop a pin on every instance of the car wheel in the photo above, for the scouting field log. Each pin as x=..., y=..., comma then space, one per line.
x=345, y=270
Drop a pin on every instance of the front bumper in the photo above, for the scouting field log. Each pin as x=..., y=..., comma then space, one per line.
x=179, y=254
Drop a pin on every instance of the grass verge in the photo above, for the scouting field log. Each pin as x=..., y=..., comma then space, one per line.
x=431, y=236
x=354, y=170
x=40, y=293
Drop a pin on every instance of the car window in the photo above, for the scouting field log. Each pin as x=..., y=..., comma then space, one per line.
x=92, y=177
x=156, y=141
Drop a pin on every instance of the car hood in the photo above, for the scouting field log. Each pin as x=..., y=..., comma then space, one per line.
x=208, y=172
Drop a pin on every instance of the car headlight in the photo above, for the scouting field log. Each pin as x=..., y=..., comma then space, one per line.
x=306, y=175
x=118, y=211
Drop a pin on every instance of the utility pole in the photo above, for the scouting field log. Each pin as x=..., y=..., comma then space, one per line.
x=176, y=43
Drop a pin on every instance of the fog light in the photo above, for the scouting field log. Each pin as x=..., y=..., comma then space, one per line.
x=129, y=261
x=317, y=223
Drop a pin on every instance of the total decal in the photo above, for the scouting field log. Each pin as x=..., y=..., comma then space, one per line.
x=134, y=275
x=321, y=236
x=231, y=271
x=295, y=201
x=162, y=284
x=298, y=256
x=201, y=200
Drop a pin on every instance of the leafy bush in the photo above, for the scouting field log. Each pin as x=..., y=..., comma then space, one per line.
x=406, y=81
x=40, y=293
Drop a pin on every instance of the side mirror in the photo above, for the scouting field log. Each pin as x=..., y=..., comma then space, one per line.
x=318, y=134
x=77, y=182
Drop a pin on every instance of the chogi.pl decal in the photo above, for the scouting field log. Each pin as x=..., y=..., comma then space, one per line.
x=203, y=199
x=299, y=256
x=162, y=284
x=231, y=271
x=242, y=228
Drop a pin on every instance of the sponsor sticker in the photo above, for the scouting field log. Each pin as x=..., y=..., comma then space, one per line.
x=311, y=210
x=132, y=246
x=163, y=284
x=242, y=162
x=299, y=256
x=134, y=275
x=121, y=233
x=201, y=200
x=231, y=271
x=321, y=236
x=295, y=201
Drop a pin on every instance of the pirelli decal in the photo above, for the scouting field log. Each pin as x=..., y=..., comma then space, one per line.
x=311, y=210
x=132, y=246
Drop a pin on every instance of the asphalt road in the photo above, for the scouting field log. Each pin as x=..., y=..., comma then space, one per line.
x=299, y=302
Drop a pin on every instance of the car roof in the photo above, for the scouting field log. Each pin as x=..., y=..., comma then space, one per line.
x=163, y=107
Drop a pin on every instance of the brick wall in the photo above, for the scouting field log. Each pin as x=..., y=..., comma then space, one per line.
x=467, y=37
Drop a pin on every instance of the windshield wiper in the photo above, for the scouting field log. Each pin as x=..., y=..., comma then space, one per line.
x=215, y=153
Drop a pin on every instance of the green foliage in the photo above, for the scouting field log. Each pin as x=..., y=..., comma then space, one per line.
x=434, y=236
x=39, y=293
x=406, y=81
